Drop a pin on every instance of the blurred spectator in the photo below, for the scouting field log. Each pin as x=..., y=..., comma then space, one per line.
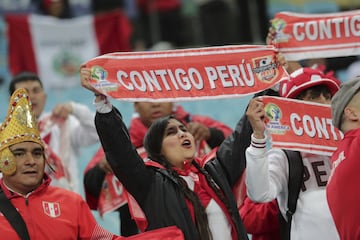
x=66, y=130
x=159, y=20
x=342, y=67
x=334, y=63
x=56, y=8
x=253, y=20
x=98, y=6
x=103, y=191
x=217, y=22
x=353, y=70
x=55, y=49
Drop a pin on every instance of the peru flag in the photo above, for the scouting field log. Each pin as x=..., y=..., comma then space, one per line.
x=55, y=48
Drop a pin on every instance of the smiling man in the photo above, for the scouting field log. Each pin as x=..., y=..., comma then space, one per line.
x=65, y=130
x=48, y=212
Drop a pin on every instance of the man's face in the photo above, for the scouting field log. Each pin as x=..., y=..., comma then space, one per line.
x=55, y=8
x=352, y=110
x=150, y=111
x=317, y=94
x=36, y=94
x=319, y=99
x=30, y=163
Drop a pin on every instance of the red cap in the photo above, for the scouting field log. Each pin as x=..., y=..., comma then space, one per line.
x=305, y=78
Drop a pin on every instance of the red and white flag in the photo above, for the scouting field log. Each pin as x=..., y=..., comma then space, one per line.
x=305, y=36
x=55, y=48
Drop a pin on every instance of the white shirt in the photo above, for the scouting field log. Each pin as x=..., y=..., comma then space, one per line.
x=267, y=178
x=218, y=223
x=67, y=139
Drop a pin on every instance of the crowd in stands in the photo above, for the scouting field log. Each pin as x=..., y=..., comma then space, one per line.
x=167, y=162
x=178, y=23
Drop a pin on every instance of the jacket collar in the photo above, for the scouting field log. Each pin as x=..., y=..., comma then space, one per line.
x=10, y=194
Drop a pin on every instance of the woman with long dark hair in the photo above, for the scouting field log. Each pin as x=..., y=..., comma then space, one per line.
x=173, y=187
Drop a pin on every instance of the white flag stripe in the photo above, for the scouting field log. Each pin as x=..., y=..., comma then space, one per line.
x=59, y=44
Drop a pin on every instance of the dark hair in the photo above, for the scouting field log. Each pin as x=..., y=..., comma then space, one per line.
x=66, y=12
x=23, y=77
x=106, y=5
x=154, y=136
x=152, y=144
x=315, y=92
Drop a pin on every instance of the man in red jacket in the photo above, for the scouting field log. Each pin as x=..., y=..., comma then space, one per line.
x=48, y=212
x=29, y=207
x=341, y=189
x=102, y=189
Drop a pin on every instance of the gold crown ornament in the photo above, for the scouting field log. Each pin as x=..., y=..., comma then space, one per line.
x=19, y=126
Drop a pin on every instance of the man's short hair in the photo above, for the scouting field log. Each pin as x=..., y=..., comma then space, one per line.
x=23, y=77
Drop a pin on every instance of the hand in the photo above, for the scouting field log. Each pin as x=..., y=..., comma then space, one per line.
x=85, y=75
x=256, y=116
x=61, y=112
x=270, y=37
x=199, y=131
x=281, y=60
x=104, y=165
x=290, y=66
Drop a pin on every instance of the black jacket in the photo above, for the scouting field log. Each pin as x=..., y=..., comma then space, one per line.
x=155, y=190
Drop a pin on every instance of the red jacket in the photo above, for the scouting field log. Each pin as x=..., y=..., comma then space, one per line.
x=261, y=219
x=342, y=196
x=53, y=213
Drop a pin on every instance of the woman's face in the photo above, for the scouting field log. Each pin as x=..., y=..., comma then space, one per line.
x=178, y=144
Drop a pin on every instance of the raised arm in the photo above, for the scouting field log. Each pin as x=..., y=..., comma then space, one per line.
x=122, y=156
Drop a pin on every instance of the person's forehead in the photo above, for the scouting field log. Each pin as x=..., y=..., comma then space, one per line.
x=25, y=145
x=173, y=121
x=355, y=98
x=151, y=103
x=28, y=84
x=142, y=103
x=357, y=93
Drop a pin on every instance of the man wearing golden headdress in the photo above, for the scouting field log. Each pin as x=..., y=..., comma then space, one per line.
x=49, y=212
x=65, y=130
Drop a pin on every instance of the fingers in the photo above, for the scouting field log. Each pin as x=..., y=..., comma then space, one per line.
x=85, y=76
x=61, y=111
x=256, y=103
x=199, y=131
x=271, y=36
x=256, y=116
x=280, y=58
x=104, y=165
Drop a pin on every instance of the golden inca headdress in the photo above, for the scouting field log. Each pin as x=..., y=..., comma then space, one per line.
x=19, y=126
